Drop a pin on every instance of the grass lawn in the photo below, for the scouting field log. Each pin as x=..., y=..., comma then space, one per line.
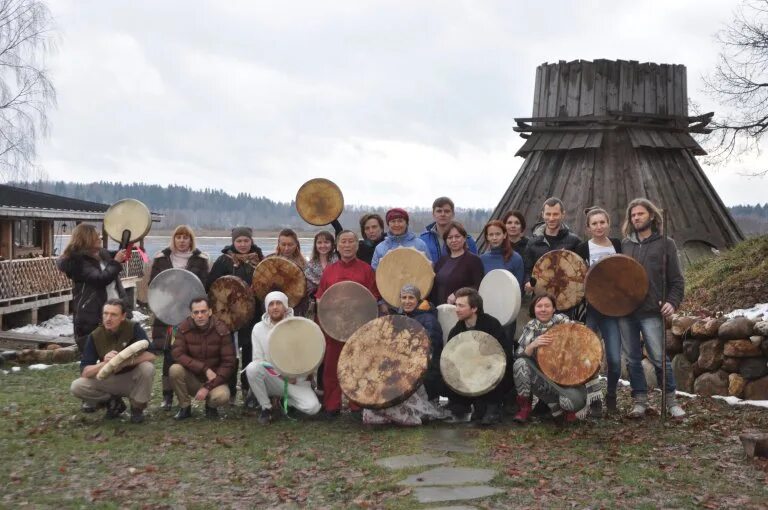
x=54, y=456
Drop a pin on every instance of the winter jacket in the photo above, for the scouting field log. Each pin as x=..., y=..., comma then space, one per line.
x=407, y=240
x=426, y=315
x=521, y=246
x=224, y=266
x=89, y=287
x=451, y=274
x=539, y=245
x=430, y=238
x=650, y=253
x=494, y=259
x=198, y=349
x=366, y=247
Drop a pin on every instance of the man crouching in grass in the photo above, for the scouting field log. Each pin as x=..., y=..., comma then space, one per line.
x=134, y=380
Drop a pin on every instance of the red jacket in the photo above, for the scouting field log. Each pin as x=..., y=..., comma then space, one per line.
x=355, y=271
x=198, y=349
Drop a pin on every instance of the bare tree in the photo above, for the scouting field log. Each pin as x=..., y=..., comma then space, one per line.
x=26, y=37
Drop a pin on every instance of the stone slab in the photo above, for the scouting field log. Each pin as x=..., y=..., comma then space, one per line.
x=449, y=440
x=412, y=461
x=449, y=476
x=438, y=494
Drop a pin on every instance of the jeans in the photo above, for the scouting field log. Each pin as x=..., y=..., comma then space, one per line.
x=608, y=327
x=652, y=329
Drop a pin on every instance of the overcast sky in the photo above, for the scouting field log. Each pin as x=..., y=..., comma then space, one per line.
x=397, y=102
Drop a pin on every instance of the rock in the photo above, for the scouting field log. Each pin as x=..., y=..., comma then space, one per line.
x=755, y=444
x=736, y=385
x=674, y=344
x=411, y=461
x=691, y=350
x=650, y=374
x=753, y=368
x=437, y=494
x=681, y=324
x=757, y=390
x=730, y=364
x=683, y=371
x=741, y=348
x=757, y=339
x=449, y=476
x=711, y=383
x=761, y=328
x=710, y=355
x=738, y=327
x=706, y=328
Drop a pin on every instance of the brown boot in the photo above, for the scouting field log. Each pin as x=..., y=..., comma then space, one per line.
x=524, y=409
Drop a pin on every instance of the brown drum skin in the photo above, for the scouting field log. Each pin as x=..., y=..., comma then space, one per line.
x=383, y=363
x=344, y=307
x=401, y=266
x=616, y=285
x=560, y=273
x=574, y=357
x=279, y=273
x=319, y=201
x=232, y=302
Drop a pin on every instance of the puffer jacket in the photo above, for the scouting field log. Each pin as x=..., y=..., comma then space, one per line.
x=224, y=266
x=407, y=240
x=198, y=349
x=430, y=238
x=426, y=315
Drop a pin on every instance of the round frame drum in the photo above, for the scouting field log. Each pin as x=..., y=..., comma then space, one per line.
x=296, y=347
x=344, y=307
x=279, y=273
x=473, y=363
x=401, y=266
x=171, y=292
x=116, y=363
x=232, y=302
x=319, y=201
x=574, y=356
x=446, y=316
x=127, y=214
x=616, y=285
x=383, y=363
x=500, y=291
x=560, y=273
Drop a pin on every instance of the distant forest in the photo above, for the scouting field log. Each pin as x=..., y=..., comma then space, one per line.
x=216, y=210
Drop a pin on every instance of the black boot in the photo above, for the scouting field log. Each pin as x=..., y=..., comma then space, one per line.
x=167, y=400
x=492, y=415
x=184, y=413
x=115, y=407
x=137, y=415
x=211, y=412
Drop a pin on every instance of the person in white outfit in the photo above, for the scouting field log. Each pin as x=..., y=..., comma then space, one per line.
x=265, y=381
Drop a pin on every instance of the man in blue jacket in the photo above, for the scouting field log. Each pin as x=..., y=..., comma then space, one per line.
x=442, y=213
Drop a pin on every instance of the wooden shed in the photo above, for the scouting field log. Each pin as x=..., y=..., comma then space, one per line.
x=605, y=132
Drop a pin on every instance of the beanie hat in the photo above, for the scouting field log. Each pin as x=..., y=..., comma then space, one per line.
x=397, y=213
x=276, y=296
x=241, y=232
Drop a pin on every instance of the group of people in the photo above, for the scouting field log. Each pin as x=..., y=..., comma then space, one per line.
x=202, y=358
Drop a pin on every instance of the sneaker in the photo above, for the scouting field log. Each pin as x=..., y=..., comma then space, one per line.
x=676, y=412
x=211, y=412
x=638, y=410
x=167, y=401
x=115, y=407
x=265, y=416
x=183, y=413
x=250, y=401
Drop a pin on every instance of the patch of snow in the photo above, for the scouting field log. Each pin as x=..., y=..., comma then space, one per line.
x=58, y=325
x=684, y=394
x=5, y=372
x=138, y=316
x=736, y=401
x=15, y=369
x=39, y=366
x=759, y=312
x=623, y=382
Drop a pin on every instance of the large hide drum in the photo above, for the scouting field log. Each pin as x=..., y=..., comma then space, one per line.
x=171, y=292
x=319, y=202
x=473, y=363
x=232, y=301
x=560, y=273
x=500, y=291
x=616, y=285
x=574, y=356
x=127, y=214
x=446, y=316
x=399, y=267
x=344, y=307
x=296, y=347
x=120, y=359
x=279, y=273
x=383, y=363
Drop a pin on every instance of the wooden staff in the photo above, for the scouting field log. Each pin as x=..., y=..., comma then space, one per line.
x=663, y=319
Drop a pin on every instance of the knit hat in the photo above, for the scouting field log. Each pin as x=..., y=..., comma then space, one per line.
x=241, y=232
x=411, y=289
x=276, y=296
x=397, y=213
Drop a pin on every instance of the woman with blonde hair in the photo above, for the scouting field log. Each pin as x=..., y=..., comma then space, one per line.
x=323, y=254
x=180, y=253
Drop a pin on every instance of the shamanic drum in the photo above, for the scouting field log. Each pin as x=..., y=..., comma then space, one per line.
x=114, y=365
x=296, y=347
x=232, y=301
x=473, y=363
x=573, y=357
x=560, y=273
x=344, y=307
x=127, y=215
x=446, y=316
x=616, y=285
x=171, y=292
x=383, y=363
x=399, y=267
x=500, y=291
x=319, y=201
x=279, y=273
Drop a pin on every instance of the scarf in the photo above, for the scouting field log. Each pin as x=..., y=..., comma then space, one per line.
x=535, y=327
x=180, y=259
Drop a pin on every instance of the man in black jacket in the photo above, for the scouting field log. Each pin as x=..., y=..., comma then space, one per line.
x=469, y=311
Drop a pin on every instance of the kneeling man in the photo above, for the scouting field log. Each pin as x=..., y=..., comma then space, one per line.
x=135, y=378
x=204, y=359
x=264, y=380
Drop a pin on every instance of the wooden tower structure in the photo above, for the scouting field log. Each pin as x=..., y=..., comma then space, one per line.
x=605, y=132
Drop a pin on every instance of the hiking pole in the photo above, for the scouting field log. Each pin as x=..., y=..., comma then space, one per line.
x=663, y=319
